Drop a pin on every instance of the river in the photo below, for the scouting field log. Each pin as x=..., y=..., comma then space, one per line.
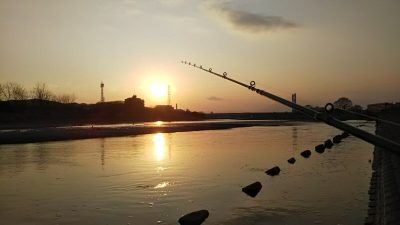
x=156, y=178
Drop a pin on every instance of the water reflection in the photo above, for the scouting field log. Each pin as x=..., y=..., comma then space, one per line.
x=102, y=152
x=161, y=185
x=160, y=169
x=294, y=137
x=159, y=123
x=160, y=147
x=41, y=156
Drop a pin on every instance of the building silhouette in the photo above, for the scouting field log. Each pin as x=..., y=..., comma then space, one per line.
x=134, y=101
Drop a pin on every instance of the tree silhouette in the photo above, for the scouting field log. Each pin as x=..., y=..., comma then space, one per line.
x=1, y=92
x=65, y=98
x=41, y=92
x=12, y=91
x=19, y=92
x=343, y=103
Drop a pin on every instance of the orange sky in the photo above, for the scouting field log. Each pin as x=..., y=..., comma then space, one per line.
x=322, y=50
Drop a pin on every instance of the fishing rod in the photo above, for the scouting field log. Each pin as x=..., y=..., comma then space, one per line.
x=368, y=117
x=325, y=116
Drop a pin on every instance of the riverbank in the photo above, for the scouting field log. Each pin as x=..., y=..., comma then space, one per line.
x=384, y=192
x=74, y=133
x=35, y=113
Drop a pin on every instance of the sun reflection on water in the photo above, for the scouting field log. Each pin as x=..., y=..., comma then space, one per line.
x=160, y=147
x=159, y=123
x=161, y=185
x=160, y=169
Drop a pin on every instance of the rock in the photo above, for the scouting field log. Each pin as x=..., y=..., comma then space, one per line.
x=328, y=144
x=345, y=135
x=291, y=160
x=320, y=148
x=337, y=139
x=306, y=153
x=194, y=218
x=252, y=189
x=273, y=171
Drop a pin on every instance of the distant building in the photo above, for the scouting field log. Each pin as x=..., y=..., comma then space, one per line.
x=111, y=103
x=377, y=107
x=108, y=107
x=357, y=108
x=135, y=102
x=164, y=107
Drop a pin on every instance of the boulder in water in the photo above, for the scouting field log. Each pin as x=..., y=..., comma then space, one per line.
x=328, y=144
x=291, y=160
x=306, y=153
x=194, y=218
x=337, y=139
x=345, y=135
x=273, y=171
x=252, y=189
x=320, y=148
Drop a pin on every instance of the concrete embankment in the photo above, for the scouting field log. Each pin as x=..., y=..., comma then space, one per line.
x=73, y=133
x=384, y=192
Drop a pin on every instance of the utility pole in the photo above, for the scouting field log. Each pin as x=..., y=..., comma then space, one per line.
x=294, y=100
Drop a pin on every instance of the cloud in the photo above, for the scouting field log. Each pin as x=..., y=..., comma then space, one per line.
x=248, y=21
x=213, y=98
x=171, y=2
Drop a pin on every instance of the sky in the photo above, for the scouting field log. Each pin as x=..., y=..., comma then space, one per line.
x=321, y=50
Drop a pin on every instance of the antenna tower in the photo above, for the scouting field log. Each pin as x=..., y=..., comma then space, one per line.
x=102, y=92
x=169, y=94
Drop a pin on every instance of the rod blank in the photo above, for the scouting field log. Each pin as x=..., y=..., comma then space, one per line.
x=325, y=117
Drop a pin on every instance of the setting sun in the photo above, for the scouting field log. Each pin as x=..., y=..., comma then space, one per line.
x=159, y=90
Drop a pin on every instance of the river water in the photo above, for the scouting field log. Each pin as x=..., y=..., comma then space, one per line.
x=156, y=178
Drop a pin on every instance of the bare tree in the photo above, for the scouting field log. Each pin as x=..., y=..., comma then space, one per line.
x=19, y=92
x=1, y=92
x=15, y=91
x=12, y=91
x=65, y=98
x=41, y=92
x=6, y=91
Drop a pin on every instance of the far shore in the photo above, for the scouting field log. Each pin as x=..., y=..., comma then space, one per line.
x=75, y=133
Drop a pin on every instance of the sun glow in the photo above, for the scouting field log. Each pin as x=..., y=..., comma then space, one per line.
x=159, y=123
x=159, y=90
x=159, y=146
